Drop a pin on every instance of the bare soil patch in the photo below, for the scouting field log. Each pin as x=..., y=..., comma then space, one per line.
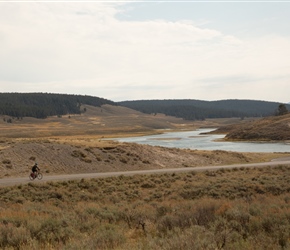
x=67, y=156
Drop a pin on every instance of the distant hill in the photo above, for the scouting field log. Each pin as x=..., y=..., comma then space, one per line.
x=274, y=128
x=199, y=110
x=42, y=105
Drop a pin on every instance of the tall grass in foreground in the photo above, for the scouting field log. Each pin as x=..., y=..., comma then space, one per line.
x=224, y=209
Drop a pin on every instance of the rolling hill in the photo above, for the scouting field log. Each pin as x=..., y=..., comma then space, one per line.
x=274, y=128
x=42, y=105
x=199, y=110
x=107, y=120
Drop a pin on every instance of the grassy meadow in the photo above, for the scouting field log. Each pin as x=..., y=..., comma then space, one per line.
x=224, y=209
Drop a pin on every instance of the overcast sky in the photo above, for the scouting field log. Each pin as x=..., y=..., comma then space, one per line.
x=147, y=49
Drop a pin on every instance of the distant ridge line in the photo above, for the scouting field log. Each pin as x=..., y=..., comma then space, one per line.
x=190, y=109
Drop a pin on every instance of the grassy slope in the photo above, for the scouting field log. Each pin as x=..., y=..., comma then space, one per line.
x=105, y=121
x=102, y=121
x=275, y=128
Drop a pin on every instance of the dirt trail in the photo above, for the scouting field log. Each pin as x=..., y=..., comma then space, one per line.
x=25, y=180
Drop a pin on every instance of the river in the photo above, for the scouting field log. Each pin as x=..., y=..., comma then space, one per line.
x=197, y=140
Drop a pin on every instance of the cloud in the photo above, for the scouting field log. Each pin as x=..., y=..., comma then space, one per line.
x=82, y=48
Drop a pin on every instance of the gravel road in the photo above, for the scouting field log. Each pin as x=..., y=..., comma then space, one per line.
x=25, y=180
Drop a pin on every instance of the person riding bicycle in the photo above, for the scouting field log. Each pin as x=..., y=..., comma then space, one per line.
x=35, y=169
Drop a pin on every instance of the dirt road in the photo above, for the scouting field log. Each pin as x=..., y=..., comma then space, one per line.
x=25, y=180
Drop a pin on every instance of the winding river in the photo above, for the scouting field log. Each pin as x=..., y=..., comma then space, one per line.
x=197, y=140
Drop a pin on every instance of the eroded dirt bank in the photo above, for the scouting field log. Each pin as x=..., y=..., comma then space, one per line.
x=70, y=156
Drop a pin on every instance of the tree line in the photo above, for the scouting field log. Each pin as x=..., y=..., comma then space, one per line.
x=42, y=105
x=199, y=110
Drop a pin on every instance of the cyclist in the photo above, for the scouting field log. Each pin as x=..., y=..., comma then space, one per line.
x=35, y=169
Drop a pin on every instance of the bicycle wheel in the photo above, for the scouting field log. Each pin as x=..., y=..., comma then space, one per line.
x=39, y=176
x=31, y=177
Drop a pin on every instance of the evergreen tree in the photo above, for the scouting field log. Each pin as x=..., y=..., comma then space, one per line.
x=282, y=110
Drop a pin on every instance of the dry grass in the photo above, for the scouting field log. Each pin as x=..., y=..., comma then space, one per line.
x=226, y=209
x=107, y=121
x=276, y=128
x=104, y=122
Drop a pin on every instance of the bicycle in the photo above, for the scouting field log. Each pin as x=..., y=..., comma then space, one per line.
x=37, y=175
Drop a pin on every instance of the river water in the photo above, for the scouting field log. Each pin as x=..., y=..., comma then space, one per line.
x=196, y=140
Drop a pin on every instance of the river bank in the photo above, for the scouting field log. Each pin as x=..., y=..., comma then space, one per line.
x=204, y=139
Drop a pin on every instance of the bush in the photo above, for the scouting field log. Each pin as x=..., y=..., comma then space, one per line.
x=6, y=161
x=13, y=236
x=107, y=237
x=53, y=231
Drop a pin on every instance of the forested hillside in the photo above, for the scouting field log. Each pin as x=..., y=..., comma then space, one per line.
x=41, y=105
x=199, y=110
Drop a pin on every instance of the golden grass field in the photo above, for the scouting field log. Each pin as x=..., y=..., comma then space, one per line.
x=105, y=122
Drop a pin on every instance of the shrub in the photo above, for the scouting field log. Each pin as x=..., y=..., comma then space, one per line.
x=124, y=160
x=13, y=236
x=78, y=154
x=53, y=231
x=195, y=237
x=148, y=185
x=86, y=160
x=6, y=161
x=107, y=237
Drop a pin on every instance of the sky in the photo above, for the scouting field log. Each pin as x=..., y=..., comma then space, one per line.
x=143, y=50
